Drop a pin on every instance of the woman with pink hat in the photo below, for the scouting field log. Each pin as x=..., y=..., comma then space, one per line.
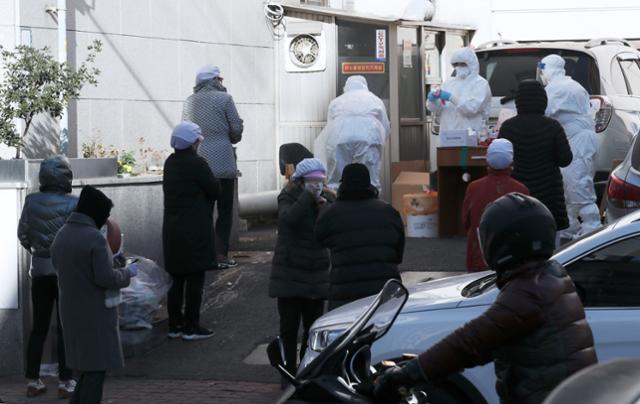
x=300, y=269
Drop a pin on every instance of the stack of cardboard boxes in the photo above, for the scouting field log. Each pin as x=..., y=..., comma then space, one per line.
x=409, y=178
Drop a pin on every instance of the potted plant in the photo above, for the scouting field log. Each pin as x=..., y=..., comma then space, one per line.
x=33, y=83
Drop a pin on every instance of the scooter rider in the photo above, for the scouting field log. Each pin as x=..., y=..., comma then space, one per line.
x=535, y=331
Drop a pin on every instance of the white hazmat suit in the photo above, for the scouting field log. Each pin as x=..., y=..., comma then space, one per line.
x=569, y=104
x=470, y=97
x=356, y=132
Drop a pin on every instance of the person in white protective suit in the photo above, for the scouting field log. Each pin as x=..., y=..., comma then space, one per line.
x=464, y=100
x=569, y=105
x=356, y=132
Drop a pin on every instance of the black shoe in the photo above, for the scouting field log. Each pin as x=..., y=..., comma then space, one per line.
x=196, y=334
x=226, y=263
x=175, y=332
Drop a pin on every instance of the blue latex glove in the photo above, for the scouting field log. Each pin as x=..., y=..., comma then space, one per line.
x=431, y=97
x=133, y=269
x=445, y=95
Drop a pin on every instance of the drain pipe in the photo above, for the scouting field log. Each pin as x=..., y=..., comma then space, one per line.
x=62, y=58
x=261, y=203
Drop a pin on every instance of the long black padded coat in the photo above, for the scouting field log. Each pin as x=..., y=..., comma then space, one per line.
x=366, y=240
x=190, y=190
x=540, y=148
x=300, y=265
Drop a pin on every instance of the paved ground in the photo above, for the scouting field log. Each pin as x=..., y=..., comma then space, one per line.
x=244, y=318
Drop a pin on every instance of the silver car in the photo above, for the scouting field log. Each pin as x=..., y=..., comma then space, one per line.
x=623, y=189
x=609, y=69
x=604, y=265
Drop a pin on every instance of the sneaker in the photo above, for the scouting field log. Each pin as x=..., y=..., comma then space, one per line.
x=225, y=263
x=35, y=388
x=197, y=334
x=66, y=389
x=175, y=333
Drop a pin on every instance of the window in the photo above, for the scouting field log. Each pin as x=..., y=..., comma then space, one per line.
x=505, y=69
x=631, y=71
x=617, y=78
x=609, y=277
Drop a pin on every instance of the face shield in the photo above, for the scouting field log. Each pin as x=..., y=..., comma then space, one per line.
x=540, y=74
x=461, y=69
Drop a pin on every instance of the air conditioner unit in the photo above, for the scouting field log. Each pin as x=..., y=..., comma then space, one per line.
x=305, y=48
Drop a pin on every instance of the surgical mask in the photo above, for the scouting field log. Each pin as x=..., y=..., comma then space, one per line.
x=315, y=187
x=462, y=71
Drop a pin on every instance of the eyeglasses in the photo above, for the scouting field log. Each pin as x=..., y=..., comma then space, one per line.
x=459, y=64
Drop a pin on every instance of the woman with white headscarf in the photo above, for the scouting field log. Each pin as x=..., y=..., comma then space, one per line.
x=357, y=129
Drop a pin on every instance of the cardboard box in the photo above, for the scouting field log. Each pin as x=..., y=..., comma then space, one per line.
x=416, y=166
x=407, y=183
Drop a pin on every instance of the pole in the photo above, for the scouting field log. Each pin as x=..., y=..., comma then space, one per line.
x=62, y=58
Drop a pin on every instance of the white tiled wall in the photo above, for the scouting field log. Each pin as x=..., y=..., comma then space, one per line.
x=151, y=52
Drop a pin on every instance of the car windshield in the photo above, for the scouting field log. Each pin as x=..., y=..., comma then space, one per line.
x=505, y=69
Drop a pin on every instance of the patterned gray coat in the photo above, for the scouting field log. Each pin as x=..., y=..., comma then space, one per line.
x=83, y=260
x=216, y=114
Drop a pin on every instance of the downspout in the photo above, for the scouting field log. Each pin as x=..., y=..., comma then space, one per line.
x=62, y=58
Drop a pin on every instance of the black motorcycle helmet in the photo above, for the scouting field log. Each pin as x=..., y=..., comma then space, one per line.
x=514, y=229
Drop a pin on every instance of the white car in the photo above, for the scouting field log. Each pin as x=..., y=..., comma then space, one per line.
x=605, y=266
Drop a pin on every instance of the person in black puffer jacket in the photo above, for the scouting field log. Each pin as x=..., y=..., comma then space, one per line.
x=365, y=236
x=300, y=269
x=540, y=148
x=44, y=213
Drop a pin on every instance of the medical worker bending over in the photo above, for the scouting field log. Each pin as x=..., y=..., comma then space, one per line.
x=569, y=105
x=465, y=99
x=357, y=129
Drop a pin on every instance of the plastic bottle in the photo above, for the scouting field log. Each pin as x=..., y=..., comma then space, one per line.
x=483, y=133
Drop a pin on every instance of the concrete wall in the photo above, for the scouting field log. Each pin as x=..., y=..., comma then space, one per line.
x=297, y=121
x=151, y=51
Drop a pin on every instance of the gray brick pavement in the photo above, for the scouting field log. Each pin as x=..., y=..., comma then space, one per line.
x=143, y=391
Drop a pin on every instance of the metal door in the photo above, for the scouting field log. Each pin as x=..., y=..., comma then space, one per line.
x=414, y=142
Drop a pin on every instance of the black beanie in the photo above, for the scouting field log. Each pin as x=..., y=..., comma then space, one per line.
x=356, y=183
x=94, y=204
x=531, y=98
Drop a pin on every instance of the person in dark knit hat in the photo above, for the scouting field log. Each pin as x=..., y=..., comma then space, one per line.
x=365, y=237
x=90, y=327
x=540, y=148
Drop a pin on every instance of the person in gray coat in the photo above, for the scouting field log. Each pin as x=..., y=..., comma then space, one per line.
x=43, y=214
x=85, y=274
x=213, y=110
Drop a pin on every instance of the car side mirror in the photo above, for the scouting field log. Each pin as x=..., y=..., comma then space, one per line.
x=275, y=352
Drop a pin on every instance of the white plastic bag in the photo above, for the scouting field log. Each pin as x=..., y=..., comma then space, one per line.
x=141, y=299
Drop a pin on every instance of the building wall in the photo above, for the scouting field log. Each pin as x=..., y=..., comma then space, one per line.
x=542, y=19
x=303, y=98
x=151, y=52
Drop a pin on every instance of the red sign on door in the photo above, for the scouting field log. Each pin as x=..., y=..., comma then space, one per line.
x=363, y=68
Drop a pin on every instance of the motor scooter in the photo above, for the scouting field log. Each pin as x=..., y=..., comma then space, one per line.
x=343, y=372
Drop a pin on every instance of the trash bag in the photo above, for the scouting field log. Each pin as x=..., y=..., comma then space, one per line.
x=141, y=299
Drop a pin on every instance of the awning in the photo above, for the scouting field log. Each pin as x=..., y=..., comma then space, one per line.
x=327, y=14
